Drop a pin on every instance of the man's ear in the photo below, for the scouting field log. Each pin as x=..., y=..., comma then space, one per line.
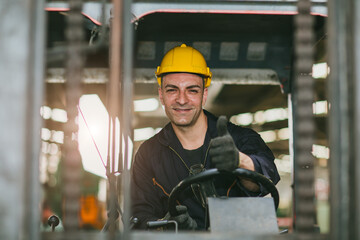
x=205, y=94
x=160, y=95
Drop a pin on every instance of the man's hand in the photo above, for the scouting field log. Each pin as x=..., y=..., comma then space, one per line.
x=223, y=151
x=185, y=222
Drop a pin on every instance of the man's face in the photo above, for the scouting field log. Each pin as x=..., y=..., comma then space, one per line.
x=183, y=96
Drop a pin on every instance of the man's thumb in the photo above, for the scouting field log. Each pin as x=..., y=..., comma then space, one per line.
x=181, y=209
x=222, y=126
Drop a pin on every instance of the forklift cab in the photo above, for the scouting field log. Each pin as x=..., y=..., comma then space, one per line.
x=252, y=51
x=249, y=49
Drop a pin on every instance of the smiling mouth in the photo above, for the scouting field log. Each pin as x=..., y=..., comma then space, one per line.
x=182, y=109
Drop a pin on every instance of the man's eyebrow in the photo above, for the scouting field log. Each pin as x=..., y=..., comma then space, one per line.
x=193, y=86
x=170, y=86
x=188, y=87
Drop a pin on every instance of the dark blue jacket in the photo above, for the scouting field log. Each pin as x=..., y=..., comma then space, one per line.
x=158, y=168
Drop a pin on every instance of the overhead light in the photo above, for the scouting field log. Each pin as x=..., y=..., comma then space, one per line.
x=320, y=107
x=146, y=105
x=53, y=149
x=45, y=112
x=44, y=147
x=259, y=117
x=283, y=166
x=243, y=119
x=275, y=114
x=45, y=134
x=53, y=163
x=268, y=136
x=320, y=151
x=59, y=115
x=320, y=70
x=57, y=136
x=283, y=134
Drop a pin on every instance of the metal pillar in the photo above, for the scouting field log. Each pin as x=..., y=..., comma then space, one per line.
x=304, y=126
x=127, y=103
x=344, y=117
x=71, y=155
x=356, y=160
x=22, y=27
x=120, y=89
x=113, y=89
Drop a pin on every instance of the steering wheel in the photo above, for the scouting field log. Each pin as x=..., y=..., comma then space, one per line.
x=211, y=173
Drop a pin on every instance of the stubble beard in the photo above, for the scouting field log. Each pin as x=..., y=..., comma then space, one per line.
x=191, y=123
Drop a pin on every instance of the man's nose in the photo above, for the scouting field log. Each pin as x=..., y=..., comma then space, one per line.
x=182, y=98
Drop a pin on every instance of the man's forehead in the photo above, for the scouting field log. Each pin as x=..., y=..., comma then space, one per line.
x=182, y=79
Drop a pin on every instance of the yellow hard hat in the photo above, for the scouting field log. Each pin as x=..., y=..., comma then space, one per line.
x=184, y=59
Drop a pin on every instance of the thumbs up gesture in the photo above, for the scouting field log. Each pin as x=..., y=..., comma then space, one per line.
x=223, y=152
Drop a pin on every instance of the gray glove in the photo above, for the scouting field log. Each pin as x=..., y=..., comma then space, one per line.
x=185, y=222
x=223, y=152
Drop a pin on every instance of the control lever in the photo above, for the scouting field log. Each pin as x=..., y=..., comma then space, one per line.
x=53, y=221
x=133, y=222
x=162, y=223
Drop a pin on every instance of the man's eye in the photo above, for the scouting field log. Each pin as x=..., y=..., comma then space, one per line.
x=194, y=91
x=170, y=90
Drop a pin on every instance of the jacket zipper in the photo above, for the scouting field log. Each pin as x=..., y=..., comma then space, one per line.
x=161, y=187
x=228, y=191
x=207, y=150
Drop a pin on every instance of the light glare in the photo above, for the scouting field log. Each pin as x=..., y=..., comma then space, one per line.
x=93, y=112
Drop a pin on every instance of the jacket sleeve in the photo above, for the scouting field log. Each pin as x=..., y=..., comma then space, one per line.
x=254, y=146
x=146, y=204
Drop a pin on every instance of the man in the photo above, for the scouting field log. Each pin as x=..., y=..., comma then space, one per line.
x=193, y=137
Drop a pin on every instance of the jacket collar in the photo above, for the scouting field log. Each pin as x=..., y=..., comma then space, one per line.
x=212, y=120
x=168, y=138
